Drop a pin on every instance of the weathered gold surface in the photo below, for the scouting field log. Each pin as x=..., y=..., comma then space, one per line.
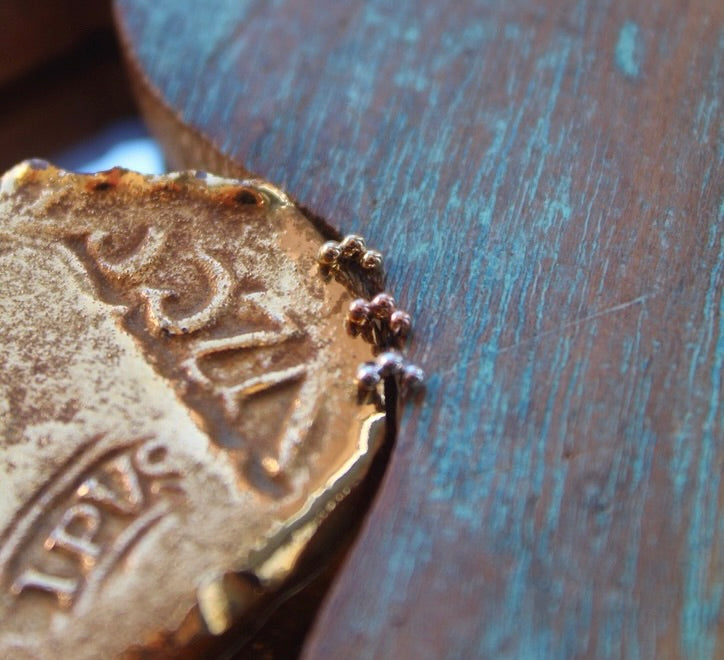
x=176, y=403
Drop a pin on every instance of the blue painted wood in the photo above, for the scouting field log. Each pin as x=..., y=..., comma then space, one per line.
x=546, y=180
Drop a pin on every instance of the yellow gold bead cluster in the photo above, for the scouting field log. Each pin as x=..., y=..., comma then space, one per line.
x=352, y=248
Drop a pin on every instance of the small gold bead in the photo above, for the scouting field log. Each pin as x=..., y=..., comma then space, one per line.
x=352, y=246
x=413, y=379
x=382, y=305
x=359, y=312
x=400, y=323
x=371, y=260
x=368, y=376
x=390, y=363
x=329, y=253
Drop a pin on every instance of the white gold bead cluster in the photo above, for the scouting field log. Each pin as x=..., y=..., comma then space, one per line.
x=390, y=364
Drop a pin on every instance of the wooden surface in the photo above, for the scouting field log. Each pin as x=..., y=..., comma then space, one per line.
x=545, y=179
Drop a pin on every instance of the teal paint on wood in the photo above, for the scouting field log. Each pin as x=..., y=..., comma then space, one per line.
x=546, y=180
x=629, y=50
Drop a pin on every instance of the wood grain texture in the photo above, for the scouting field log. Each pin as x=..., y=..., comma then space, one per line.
x=546, y=180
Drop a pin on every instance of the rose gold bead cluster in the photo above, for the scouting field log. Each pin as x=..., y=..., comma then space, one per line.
x=377, y=321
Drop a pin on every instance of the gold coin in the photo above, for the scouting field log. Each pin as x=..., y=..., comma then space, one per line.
x=177, y=405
